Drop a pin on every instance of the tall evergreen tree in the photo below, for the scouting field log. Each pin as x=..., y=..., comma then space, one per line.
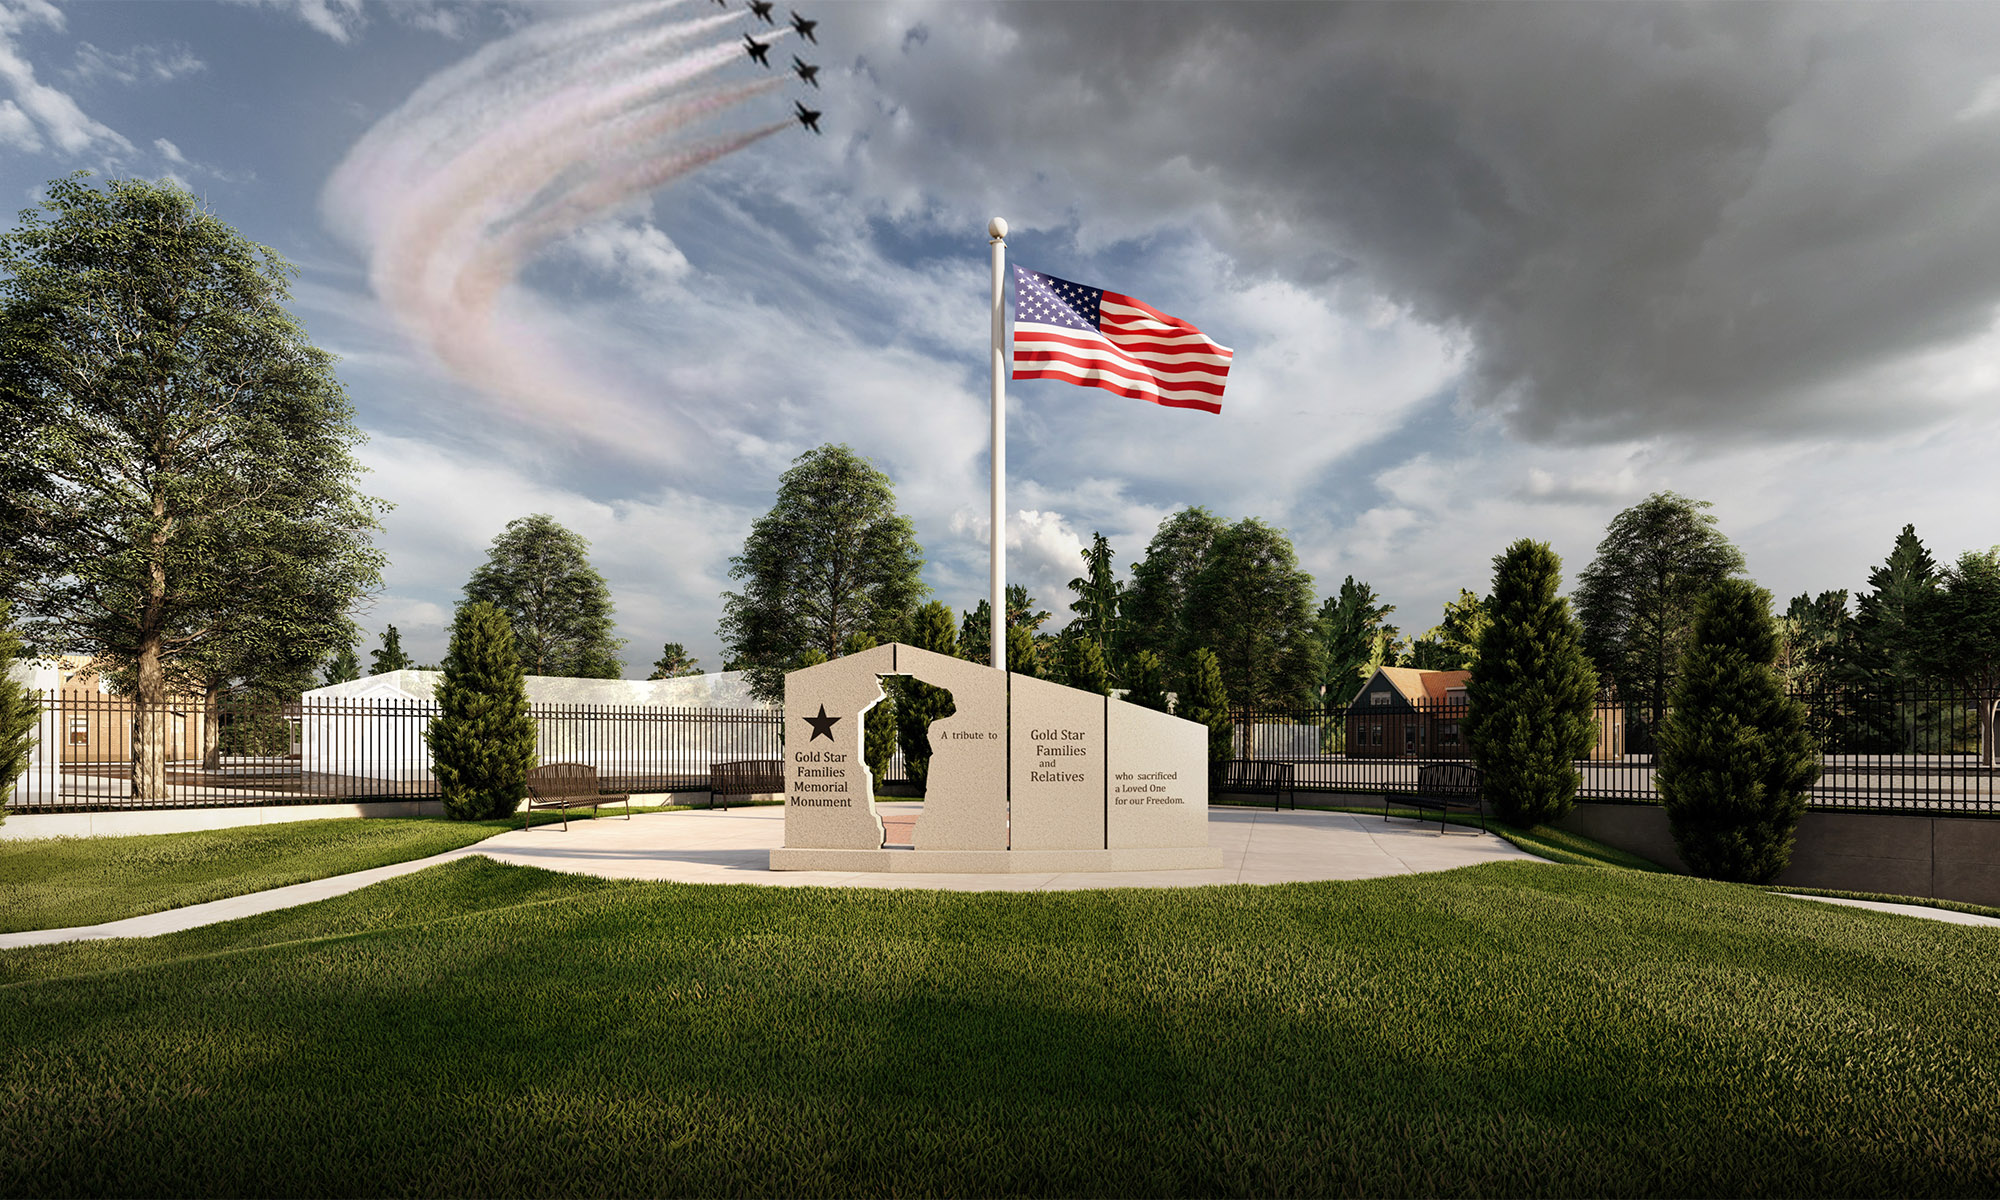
x=390, y=657
x=975, y=632
x=539, y=574
x=20, y=713
x=344, y=666
x=1959, y=641
x=1099, y=597
x=1531, y=699
x=1637, y=599
x=1253, y=606
x=674, y=663
x=919, y=703
x=830, y=558
x=1148, y=678
x=1206, y=702
x=1156, y=607
x=1887, y=661
x=1351, y=632
x=1735, y=762
x=1815, y=652
x=482, y=741
x=176, y=453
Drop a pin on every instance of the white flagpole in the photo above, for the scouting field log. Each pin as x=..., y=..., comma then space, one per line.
x=996, y=229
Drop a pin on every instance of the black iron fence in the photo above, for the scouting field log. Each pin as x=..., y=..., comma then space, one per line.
x=249, y=751
x=1925, y=750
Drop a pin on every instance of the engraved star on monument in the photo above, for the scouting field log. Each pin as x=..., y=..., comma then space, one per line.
x=822, y=725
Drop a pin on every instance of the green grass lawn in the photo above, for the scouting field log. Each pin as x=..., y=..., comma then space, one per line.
x=61, y=882
x=1516, y=1029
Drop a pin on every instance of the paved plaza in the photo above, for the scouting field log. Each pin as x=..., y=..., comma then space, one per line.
x=733, y=846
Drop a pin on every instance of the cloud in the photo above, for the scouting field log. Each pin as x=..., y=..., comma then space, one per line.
x=140, y=64
x=55, y=116
x=1639, y=219
x=637, y=254
x=340, y=20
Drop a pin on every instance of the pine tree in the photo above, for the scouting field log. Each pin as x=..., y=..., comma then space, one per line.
x=483, y=739
x=1207, y=703
x=1099, y=596
x=1532, y=695
x=919, y=703
x=1148, y=677
x=674, y=663
x=344, y=666
x=390, y=657
x=1735, y=762
x=20, y=713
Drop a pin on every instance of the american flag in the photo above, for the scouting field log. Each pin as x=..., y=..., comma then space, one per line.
x=1095, y=338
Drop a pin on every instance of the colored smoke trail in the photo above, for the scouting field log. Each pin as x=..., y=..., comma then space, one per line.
x=529, y=139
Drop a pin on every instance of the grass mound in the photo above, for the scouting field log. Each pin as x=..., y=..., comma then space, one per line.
x=1516, y=1028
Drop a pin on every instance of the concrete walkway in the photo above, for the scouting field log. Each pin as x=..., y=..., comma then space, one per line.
x=1258, y=846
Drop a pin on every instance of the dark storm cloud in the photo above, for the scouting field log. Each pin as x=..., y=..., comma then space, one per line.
x=1734, y=221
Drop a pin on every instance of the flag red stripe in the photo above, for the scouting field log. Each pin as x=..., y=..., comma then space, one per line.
x=1086, y=359
x=1088, y=367
x=1037, y=335
x=1128, y=392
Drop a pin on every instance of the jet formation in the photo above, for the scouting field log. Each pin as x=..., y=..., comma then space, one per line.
x=760, y=51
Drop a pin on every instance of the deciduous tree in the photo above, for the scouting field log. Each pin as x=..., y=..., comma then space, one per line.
x=482, y=741
x=1531, y=697
x=1959, y=642
x=1156, y=607
x=539, y=574
x=1354, y=639
x=1453, y=643
x=179, y=453
x=1637, y=599
x=1253, y=606
x=1735, y=762
x=831, y=558
x=975, y=632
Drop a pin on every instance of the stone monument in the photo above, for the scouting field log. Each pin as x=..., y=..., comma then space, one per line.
x=1025, y=775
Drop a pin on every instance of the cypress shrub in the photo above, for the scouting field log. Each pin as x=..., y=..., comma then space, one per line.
x=20, y=713
x=1023, y=656
x=1087, y=669
x=1207, y=702
x=878, y=730
x=1149, y=681
x=1532, y=694
x=1735, y=761
x=483, y=739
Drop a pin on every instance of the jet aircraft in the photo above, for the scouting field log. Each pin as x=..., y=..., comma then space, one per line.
x=804, y=26
x=805, y=71
x=807, y=117
x=757, y=49
x=762, y=8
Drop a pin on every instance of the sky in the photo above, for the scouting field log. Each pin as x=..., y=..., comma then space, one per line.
x=1489, y=272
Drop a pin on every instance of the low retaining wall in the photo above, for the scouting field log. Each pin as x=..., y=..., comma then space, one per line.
x=1943, y=858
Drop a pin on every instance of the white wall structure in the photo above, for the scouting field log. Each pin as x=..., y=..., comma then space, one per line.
x=373, y=728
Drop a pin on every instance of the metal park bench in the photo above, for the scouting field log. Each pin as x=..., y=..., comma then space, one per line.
x=566, y=786
x=1257, y=776
x=1446, y=788
x=749, y=777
